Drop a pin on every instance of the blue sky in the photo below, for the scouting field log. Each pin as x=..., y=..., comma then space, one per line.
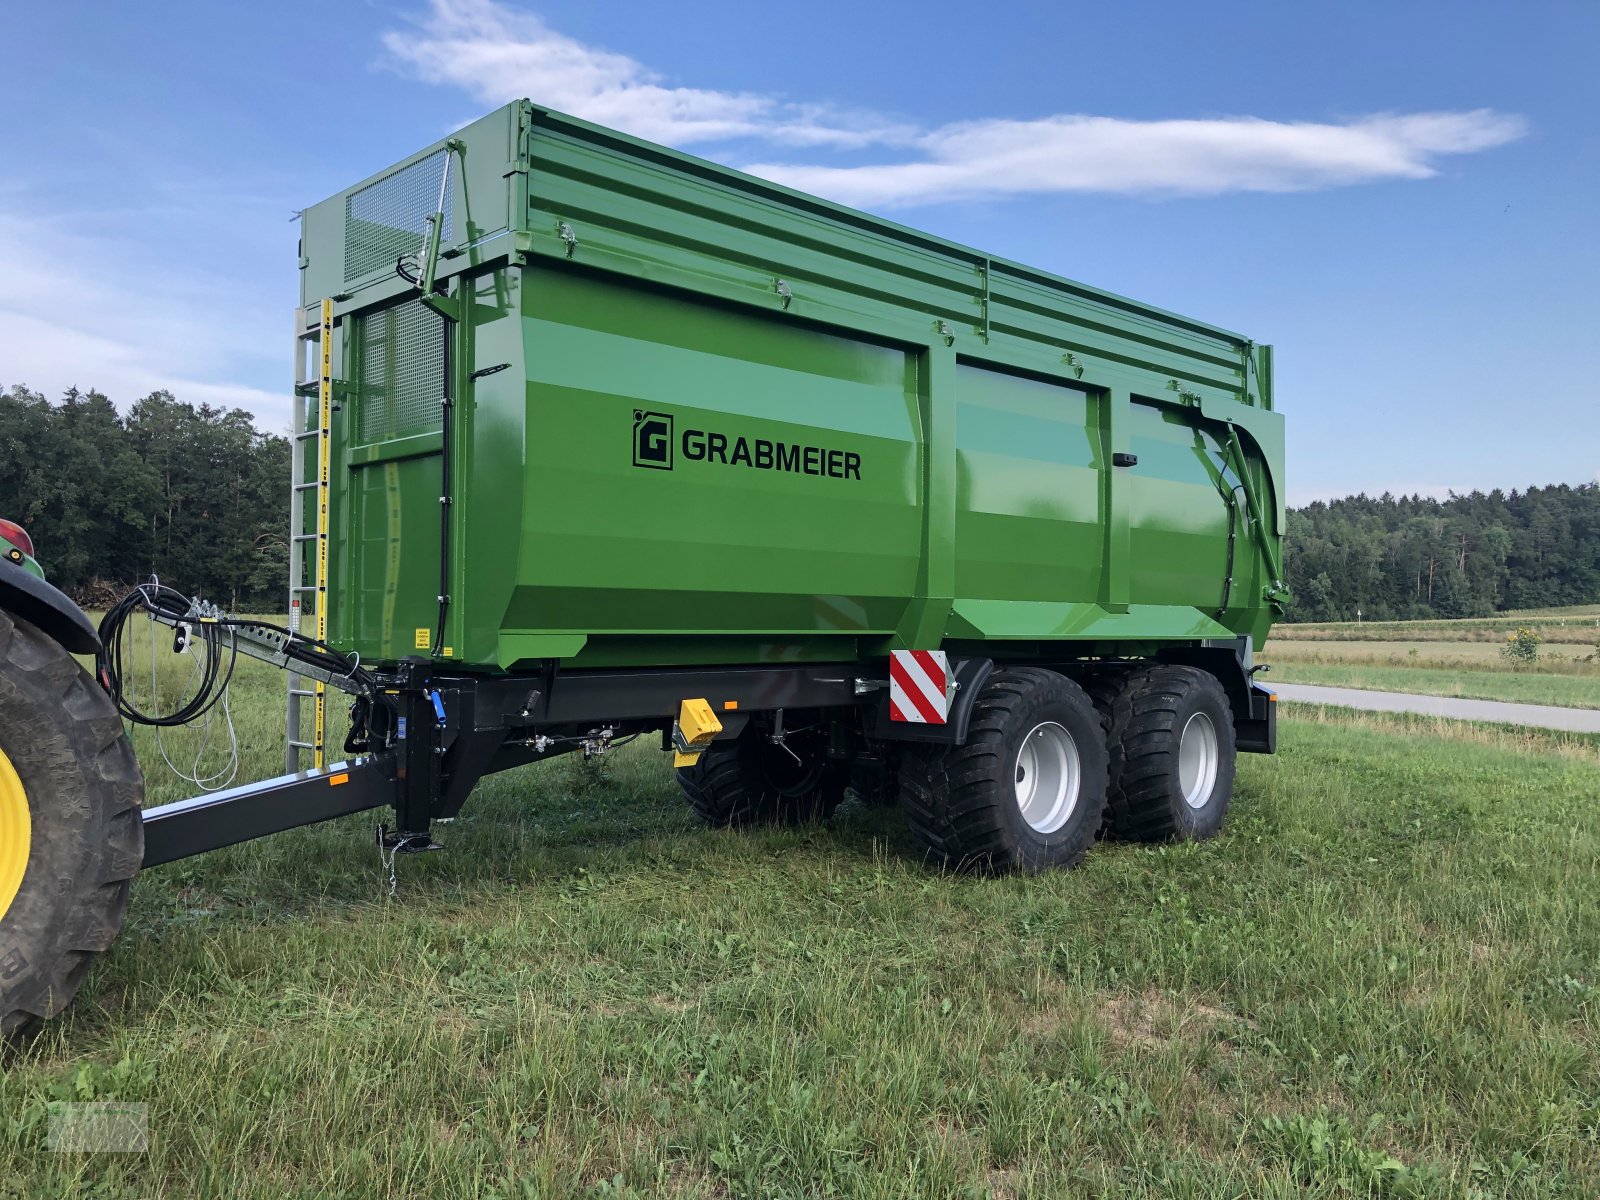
x=1403, y=198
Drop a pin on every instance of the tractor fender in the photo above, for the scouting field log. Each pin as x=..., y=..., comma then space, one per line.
x=47, y=608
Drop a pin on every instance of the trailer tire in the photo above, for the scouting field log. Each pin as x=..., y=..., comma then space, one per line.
x=70, y=793
x=1026, y=792
x=1172, y=756
x=750, y=781
x=877, y=782
x=1104, y=685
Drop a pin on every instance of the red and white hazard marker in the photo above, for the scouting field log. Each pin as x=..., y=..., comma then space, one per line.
x=919, y=686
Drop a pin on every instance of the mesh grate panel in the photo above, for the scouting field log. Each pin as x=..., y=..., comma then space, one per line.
x=389, y=218
x=401, y=352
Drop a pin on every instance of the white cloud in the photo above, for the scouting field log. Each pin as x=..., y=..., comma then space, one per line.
x=1074, y=153
x=498, y=53
x=90, y=310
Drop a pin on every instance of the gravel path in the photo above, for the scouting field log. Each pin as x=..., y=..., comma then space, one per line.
x=1543, y=716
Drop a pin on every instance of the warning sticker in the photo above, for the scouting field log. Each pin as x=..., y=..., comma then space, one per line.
x=424, y=639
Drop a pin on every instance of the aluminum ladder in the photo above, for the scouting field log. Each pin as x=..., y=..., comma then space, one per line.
x=310, y=472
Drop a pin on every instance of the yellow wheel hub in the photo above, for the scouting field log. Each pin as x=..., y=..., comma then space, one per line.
x=16, y=833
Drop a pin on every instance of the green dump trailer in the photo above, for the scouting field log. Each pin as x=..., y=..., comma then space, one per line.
x=595, y=439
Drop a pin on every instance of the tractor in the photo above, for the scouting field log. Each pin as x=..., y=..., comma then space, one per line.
x=71, y=834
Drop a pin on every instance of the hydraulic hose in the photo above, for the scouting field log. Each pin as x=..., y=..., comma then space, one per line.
x=220, y=653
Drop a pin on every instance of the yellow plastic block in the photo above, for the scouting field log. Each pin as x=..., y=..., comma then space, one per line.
x=695, y=729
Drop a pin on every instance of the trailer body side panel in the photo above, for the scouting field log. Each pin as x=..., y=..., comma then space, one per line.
x=697, y=418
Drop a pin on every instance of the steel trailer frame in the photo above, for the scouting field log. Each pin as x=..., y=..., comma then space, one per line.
x=432, y=734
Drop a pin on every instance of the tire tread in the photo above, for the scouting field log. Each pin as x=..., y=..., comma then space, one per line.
x=65, y=698
x=726, y=788
x=949, y=794
x=1143, y=713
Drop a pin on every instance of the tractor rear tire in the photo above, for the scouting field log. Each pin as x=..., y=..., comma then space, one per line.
x=71, y=834
x=1026, y=792
x=1172, y=756
x=750, y=780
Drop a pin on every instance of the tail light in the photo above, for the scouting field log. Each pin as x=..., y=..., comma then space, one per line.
x=17, y=536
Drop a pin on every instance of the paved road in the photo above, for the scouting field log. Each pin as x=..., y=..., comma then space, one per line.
x=1543, y=716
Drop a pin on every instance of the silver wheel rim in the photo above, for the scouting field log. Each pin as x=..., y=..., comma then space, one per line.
x=1197, y=760
x=1047, y=777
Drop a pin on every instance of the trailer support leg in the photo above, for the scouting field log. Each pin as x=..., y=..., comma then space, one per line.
x=420, y=741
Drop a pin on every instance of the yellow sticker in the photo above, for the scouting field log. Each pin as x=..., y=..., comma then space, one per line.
x=424, y=639
x=446, y=652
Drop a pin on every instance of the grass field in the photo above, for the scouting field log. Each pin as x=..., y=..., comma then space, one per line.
x=1380, y=981
x=1576, y=626
x=1555, y=659
x=1570, y=611
x=1525, y=688
x=1471, y=669
x=1446, y=658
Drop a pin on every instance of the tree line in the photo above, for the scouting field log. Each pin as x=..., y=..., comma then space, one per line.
x=199, y=496
x=1411, y=557
x=194, y=494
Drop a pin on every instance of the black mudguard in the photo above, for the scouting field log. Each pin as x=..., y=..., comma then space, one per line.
x=1255, y=708
x=47, y=608
x=970, y=675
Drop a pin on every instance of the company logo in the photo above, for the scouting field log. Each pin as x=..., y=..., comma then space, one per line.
x=655, y=443
x=652, y=440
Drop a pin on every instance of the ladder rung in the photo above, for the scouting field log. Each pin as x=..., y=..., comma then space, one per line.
x=307, y=391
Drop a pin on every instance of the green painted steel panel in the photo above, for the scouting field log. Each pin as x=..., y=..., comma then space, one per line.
x=701, y=418
x=1029, y=520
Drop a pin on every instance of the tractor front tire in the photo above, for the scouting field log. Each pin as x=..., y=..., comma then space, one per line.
x=71, y=834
